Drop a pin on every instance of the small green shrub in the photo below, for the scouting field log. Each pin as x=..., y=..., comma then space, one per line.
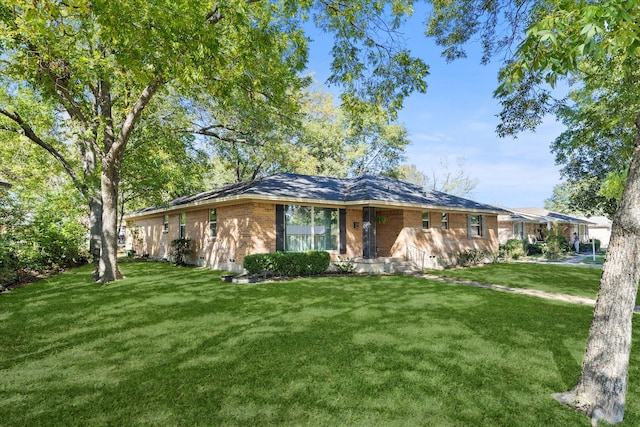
x=288, y=263
x=471, y=257
x=588, y=246
x=513, y=249
x=533, y=249
x=9, y=262
x=345, y=265
x=180, y=249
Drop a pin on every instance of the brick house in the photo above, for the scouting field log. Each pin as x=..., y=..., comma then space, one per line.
x=366, y=218
x=535, y=224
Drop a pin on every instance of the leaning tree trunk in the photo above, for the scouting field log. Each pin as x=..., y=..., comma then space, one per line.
x=108, y=265
x=602, y=386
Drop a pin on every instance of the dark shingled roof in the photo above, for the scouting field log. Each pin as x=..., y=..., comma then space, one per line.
x=365, y=188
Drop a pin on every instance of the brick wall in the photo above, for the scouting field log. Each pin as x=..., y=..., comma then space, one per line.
x=249, y=228
x=444, y=244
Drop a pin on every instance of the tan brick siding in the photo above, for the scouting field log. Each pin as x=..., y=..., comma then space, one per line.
x=444, y=244
x=249, y=228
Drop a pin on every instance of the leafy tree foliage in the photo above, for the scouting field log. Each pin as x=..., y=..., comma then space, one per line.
x=39, y=231
x=320, y=139
x=595, y=44
x=77, y=76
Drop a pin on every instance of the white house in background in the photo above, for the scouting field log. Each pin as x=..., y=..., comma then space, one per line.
x=535, y=224
x=600, y=228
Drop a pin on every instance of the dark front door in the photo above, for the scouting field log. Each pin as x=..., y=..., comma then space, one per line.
x=368, y=233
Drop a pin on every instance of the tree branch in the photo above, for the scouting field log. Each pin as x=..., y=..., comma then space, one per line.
x=31, y=135
x=132, y=117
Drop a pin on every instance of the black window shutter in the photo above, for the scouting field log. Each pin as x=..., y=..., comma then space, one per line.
x=343, y=230
x=279, y=227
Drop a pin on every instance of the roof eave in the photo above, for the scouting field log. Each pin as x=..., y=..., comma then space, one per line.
x=301, y=200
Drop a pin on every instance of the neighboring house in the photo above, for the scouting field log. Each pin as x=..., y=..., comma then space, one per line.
x=363, y=218
x=535, y=224
x=600, y=228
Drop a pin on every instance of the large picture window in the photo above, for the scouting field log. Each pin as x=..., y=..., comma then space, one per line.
x=310, y=228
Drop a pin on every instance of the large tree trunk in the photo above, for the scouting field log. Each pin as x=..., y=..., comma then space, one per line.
x=602, y=386
x=108, y=267
x=95, y=231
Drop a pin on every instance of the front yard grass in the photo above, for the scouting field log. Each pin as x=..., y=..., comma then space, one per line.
x=177, y=346
x=548, y=277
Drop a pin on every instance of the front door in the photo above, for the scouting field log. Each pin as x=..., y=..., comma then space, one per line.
x=368, y=233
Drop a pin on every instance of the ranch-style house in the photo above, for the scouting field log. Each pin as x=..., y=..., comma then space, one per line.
x=368, y=219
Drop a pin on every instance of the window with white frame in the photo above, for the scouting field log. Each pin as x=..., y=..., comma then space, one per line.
x=183, y=225
x=310, y=228
x=445, y=221
x=213, y=222
x=165, y=223
x=475, y=226
x=518, y=230
x=425, y=220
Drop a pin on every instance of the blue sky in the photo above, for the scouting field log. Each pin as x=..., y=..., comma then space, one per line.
x=456, y=117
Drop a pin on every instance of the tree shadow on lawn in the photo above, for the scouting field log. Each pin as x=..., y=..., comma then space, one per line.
x=325, y=351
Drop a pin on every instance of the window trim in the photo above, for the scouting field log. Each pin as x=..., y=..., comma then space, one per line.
x=183, y=225
x=165, y=223
x=426, y=218
x=481, y=226
x=213, y=224
x=444, y=221
x=312, y=212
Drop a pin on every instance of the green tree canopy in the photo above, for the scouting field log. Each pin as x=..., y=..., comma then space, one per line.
x=77, y=75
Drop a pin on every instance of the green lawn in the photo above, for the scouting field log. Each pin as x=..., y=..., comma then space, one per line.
x=177, y=346
x=549, y=277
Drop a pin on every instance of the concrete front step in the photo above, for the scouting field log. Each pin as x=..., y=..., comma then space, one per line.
x=385, y=265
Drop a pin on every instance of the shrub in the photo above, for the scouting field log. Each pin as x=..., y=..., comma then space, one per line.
x=180, y=249
x=556, y=246
x=288, y=263
x=9, y=262
x=345, y=265
x=471, y=257
x=533, y=249
x=513, y=249
x=588, y=247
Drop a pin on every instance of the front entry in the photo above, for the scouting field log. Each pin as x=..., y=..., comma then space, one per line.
x=369, y=233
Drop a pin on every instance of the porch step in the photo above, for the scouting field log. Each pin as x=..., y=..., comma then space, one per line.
x=386, y=265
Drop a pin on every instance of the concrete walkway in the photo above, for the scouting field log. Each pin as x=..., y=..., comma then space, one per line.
x=530, y=292
x=575, y=261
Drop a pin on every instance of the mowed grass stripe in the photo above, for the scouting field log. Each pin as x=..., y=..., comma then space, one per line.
x=177, y=346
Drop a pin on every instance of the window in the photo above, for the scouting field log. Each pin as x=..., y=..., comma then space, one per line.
x=476, y=226
x=183, y=225
x=445, y=221
x=165, y=224
x=425, y=220
x=213, y=222
x=310, y=228
x=518, y=230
